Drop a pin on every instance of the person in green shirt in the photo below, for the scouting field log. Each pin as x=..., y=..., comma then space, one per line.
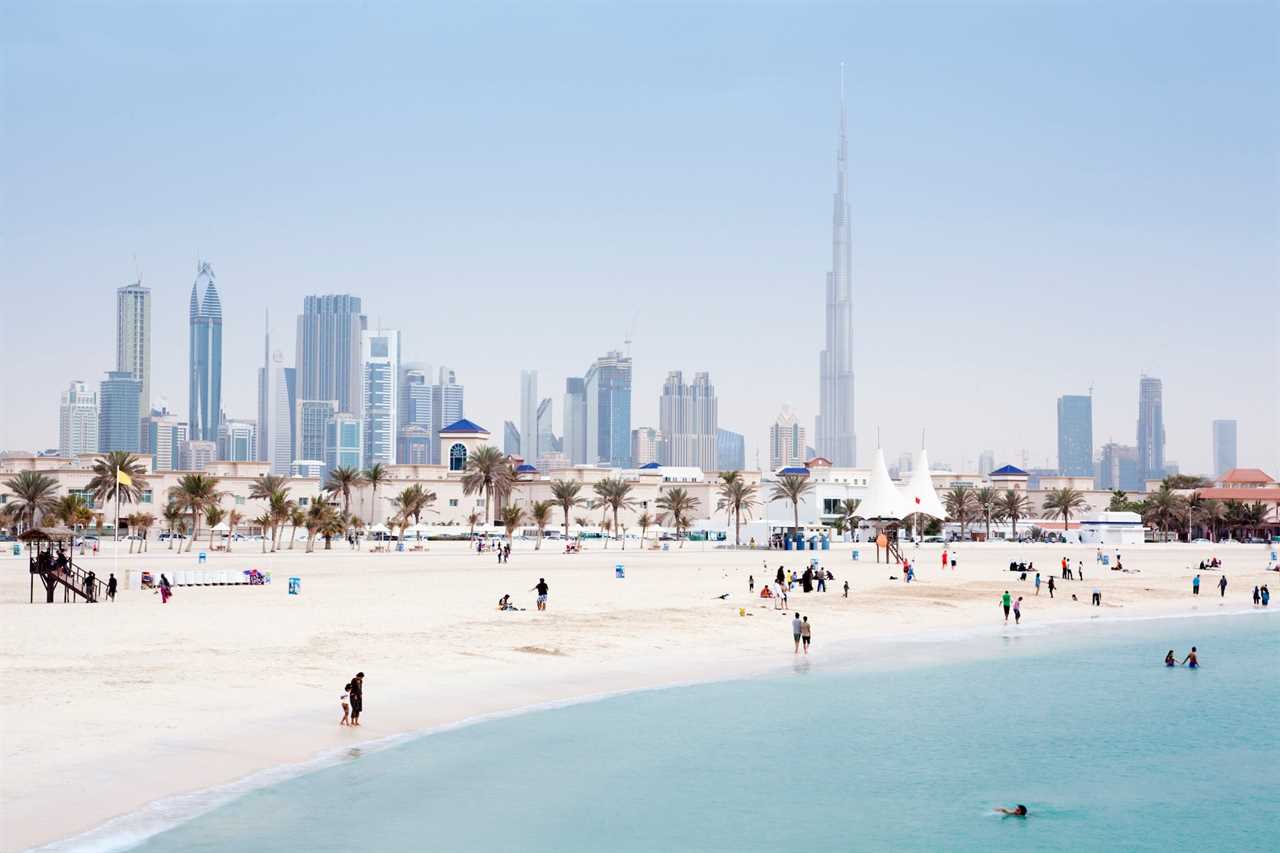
x=1006, y=601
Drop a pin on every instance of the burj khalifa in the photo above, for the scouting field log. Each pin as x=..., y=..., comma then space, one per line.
x=834, y=424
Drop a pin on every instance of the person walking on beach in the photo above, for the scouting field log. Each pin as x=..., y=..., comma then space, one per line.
x=1037, y=583
x=112, y=583
x=356, y=693
x=846, y=589
x=345, y=699
x=806, y=633
x=944, y=558
x=166, y=589
x=751, y=583
x=1097, y=596
x=1195, y=585
x=1079, y=570
x=1222, y=587
x=1266, y=595
x=1257, y=596
x=1051, y=586
x=543, y=590
x=797, y=628
x=1017, y=611
x=1006, y=601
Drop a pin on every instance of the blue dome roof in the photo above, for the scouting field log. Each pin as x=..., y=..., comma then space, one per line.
x=463, y=425
x=1008, y=471
x=526, y=468
x=795, y=469
x=649, y=466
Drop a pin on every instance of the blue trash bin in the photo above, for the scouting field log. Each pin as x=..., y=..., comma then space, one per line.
x=619, y=572
x=786, y=543
x=17, y=550
x=1106, y=559
x=399, y=546
x=295, y=586
x=855, y=553
x=826, y=543
x=203, y=556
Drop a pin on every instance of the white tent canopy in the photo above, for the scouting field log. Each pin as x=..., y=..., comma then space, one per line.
x=378, y=528
x=883, y=500
x=221, y=527
x=919, y=494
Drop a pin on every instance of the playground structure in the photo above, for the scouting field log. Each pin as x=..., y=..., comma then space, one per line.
x=50, y=560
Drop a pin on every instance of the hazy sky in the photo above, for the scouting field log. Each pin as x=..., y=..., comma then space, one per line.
x=1045, y=198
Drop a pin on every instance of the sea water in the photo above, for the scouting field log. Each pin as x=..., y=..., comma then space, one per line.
x=1107, y=747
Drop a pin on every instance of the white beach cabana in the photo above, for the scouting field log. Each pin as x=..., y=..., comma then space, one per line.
x=883, y=500
x=919, y=493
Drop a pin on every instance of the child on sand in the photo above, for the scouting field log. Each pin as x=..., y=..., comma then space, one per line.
x=345, y=699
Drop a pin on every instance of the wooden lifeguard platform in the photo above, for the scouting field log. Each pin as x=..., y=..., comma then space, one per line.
x=50, y=561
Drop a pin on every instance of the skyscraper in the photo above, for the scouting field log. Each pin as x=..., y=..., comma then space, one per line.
x=834, y=424
x=731, y=451
x=380, y=394
x=196, y=455
x=687, y=417
x=328, y=350
x=343, y=442
x=78, y=421
x=1075, y=435
x=237, y=441
x=529, y=415
x=1224, y=446
x=546, y=434
x=133, y=337
x=607, y=387
x=1118, y=468
x=645, y=442
x=309, y=419
x=119, y=420
x=277, y=404
x=165, y=435
x=204, y=356
x=575, y=420
x=415, y=411
x=446, y=408
x=786, y=440
x=986, y=462
x=1150, y=429
x=511, y=439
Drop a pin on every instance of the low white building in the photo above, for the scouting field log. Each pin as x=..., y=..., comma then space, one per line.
x=1112, y=528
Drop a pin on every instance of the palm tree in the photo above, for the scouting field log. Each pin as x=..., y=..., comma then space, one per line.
x=341, y=481
x=195, y=493
x=173, y=516
x=33, y=494
x=615, y=494
x=1214, y=513
x=1064, y=502
x=145, y=522
x=319, y=514
x=1192, y=511
x=512, y=517
x=736, y=497
x=69, y=509
x=332, y=524
x=582, y=522
x=273, y=489
x=677, y=505
x=1119, y=501
x=473, y=518
x=962, y=505
x=540, y=514
x=565, y=493
x=792, y=487
x=297, y=518
x=985, y=499
x=644, y=522
x=375, y=475
x=1013, y=506
x=264, y=521
x=1161, y=507
x=849, y=512
x=488, y=472
x=213, y=515
x=233, y=521
x=106, y=485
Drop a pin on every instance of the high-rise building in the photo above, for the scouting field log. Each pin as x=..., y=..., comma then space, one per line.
x=1075, y=435
x=78, y=420
x=1118, y=468
x=165, y=435
x=119, y=419
x=380, y=394
x=205, y=356
x=277, y=407
x=1150, y=429
x=786, y=441
x=446, y=408
x=414, y=445
x=309, y=419
x=731, y=451
x=133, y=337
x=986, y=462
x=687, y=417
x=608, y=391
x=415, y=410
x=328, y=350
x=511, y=439
x=834, y=424
x=343, y=442
x=547, y=442
x=1224, y=447
x=194, y=455
x=645, y=444
x=238, y=441
x=529, y=414
x=575, y=420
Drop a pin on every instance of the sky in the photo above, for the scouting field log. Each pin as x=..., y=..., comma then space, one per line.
x=1046, y=198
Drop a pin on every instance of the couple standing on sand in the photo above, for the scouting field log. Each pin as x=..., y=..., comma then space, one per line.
x=801, y=632
x=352, y=701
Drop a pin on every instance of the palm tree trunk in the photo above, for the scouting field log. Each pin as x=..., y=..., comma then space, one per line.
x=737, y=528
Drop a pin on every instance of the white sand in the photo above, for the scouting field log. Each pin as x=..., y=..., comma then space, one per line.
x=109, y=707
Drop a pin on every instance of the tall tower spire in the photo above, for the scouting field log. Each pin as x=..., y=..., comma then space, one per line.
x=834, y=424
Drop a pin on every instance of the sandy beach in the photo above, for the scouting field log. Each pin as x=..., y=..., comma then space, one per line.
x=122, y=704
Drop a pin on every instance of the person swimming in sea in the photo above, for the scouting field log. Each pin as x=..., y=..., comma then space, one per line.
x=1017, y=811
x=1170, y=660
x=1191, y=660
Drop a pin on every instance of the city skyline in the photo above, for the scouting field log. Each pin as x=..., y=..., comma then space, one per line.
x=947, y=239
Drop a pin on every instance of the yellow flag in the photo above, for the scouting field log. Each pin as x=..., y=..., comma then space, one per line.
x=123, y=479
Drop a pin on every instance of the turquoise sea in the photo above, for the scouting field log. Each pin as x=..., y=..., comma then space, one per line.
x=1108, y=748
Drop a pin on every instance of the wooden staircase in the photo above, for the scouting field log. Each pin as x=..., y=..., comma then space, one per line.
x=76, y=583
